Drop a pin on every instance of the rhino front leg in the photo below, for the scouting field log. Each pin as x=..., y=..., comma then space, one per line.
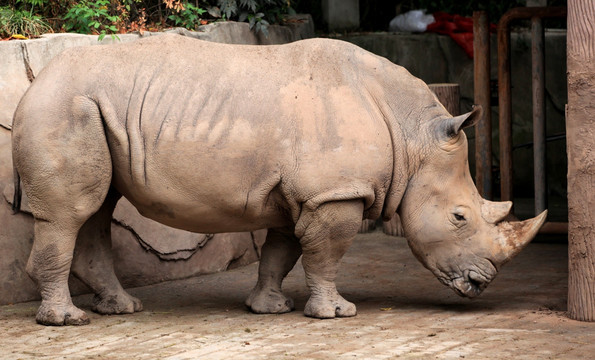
x=93, y=263
x=280, y=252
x=368, y=225
x=326, y=237
x=393, y=227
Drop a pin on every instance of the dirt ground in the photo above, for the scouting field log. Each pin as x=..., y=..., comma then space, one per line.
x=403, y=312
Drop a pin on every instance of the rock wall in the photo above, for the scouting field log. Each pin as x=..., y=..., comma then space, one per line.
x=145, y=252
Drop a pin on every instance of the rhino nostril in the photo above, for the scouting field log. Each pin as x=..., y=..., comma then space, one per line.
x=475, y=283
x=477, y=280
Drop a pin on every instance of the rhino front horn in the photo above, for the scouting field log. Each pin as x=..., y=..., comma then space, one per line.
x=514, y=236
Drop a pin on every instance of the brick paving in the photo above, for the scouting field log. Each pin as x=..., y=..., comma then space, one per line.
x=403, y=312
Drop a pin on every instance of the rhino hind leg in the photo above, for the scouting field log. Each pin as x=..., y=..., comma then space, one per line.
x=66, y=170
x=326, y=237
x=49, y=266
x=59, y=212
x=93, y=263
x=280, y=252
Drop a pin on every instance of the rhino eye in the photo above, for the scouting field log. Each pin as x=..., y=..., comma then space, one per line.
x=459, y=217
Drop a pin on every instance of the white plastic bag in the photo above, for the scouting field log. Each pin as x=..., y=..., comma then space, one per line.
x=411, y=21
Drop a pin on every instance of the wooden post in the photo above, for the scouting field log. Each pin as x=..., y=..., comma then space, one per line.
x=449, y=95
x=580, y=132
x=481, y=95
x=539, y=130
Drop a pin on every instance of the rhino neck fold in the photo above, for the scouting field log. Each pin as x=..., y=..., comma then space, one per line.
x=408, y=107
x=400, y=175
x=409, y=131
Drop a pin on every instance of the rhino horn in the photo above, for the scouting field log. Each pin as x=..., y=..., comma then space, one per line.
x=495, y=211
x=514, y=236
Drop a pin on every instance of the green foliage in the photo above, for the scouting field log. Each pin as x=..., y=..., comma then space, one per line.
x=189, y=17
x=88, y=17
x=16, y=22
x=258, y=23
x=259, y=13
x=32, y=3
x=112, y=16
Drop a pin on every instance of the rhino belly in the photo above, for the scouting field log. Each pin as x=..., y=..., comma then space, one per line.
x=204, y=200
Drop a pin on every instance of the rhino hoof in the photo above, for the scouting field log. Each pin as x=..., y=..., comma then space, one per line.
x=59, y=315
x=116, y=304
x=271, y=302
x=329, y=310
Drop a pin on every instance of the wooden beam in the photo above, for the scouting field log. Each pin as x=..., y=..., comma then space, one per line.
x=580, y=132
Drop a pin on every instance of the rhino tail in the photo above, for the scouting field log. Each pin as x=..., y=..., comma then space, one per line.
x=16, y=201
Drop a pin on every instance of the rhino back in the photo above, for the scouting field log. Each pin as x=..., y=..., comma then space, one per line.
x=202, y=131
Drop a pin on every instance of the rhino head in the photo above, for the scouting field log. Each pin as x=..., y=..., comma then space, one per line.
x=459, y=236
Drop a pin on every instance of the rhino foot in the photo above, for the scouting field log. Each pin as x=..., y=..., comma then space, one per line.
x=323, y=308
x=269, y=302
x=59, y=314
x=116, y=304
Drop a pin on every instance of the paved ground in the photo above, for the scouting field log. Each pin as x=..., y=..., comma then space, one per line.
x=403, y=312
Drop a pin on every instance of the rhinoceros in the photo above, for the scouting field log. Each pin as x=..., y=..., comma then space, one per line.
x=305, y=139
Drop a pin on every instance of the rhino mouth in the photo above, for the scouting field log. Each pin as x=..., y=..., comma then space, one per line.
x=473, y=280
x=470, y=284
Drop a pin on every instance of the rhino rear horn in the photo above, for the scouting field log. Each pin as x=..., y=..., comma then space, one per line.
x=495, y=211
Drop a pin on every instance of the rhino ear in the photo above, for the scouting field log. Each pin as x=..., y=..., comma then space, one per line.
x=452, y=126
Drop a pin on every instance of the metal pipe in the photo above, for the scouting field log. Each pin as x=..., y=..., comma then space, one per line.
x=504, y=86
x=539, y=132
x=481, y=80
x=554, y=228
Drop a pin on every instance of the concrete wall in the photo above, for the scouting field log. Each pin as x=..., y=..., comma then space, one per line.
x=145, y=252
x=341, y=15
x=436, y=59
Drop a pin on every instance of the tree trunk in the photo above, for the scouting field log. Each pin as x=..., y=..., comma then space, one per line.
x=580, y=130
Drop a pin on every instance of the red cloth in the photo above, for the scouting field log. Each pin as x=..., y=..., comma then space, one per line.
x=459, y=28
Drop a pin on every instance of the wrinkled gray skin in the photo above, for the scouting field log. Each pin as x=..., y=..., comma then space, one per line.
x=305, y=139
